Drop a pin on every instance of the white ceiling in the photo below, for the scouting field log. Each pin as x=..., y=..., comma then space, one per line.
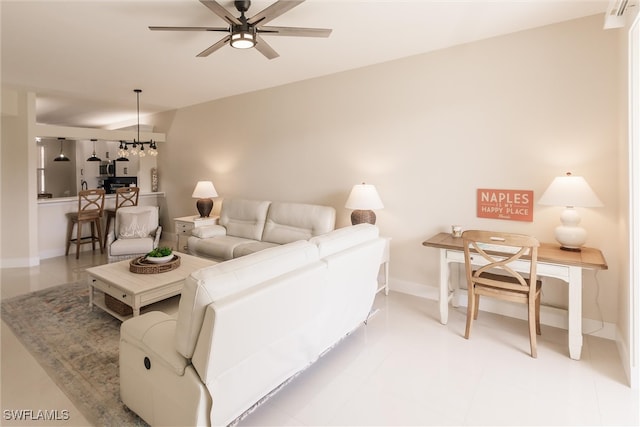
x=84, y=58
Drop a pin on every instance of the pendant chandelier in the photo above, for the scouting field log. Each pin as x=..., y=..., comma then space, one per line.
x=61, y=157
x=137, y=146
x=93, y=157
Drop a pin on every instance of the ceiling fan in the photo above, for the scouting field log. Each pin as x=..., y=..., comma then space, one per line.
x=245, y=33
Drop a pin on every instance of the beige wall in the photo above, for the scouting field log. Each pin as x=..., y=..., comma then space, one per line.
x=18, y=240
x=526, y=107
x=511, y=112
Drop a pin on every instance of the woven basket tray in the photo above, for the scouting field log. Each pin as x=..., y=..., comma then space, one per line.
x=118, y=306
x=142, y=266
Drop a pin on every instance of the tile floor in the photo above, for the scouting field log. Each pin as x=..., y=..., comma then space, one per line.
x=403, y=368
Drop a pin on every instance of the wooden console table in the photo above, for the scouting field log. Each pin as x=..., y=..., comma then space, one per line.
x=552, y=262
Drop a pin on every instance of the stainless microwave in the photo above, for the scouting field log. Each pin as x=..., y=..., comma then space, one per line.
x=107, y=168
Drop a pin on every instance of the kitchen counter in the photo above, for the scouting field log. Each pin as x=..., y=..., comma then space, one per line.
x=52, y=220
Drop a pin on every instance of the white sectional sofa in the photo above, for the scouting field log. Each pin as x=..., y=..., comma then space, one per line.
x=246, y=326
x=248, y=226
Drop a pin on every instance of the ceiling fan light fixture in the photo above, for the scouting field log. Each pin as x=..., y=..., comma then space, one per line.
x=243, y=39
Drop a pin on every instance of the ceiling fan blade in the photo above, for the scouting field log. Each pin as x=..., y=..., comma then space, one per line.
x=157, y=28
x=273, y=11
x=208, y=51
x=264, y=48
x=294, y=31
x=219, y=10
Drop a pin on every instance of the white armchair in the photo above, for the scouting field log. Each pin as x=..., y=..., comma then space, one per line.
x=136, y=232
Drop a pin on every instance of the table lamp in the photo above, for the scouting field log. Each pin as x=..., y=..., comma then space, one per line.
x=363, y=199
x=570, y=191
x=204, y=191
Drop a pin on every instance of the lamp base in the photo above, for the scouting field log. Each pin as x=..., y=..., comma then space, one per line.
x=359, y=216
x=204, y=207
x=565, y=248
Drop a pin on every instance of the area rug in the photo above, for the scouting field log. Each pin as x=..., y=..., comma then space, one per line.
x=76, y=346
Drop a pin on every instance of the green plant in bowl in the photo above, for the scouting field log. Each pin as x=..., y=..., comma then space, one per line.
x=160, y=252
x=160, y=255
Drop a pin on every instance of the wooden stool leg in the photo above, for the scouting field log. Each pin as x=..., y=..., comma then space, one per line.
x=78, y=238
x=93, y=235
x=100, y=237
x=69, y=234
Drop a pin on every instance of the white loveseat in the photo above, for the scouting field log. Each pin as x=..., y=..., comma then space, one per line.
x=246, y=326
x=248, y=226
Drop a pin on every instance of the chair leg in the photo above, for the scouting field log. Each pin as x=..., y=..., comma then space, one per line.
x=476, y=307
x=78, y=238
x=100, y=237
x=538, y=331
x=69, y=234
x=532, y=327
x=93, y=235
x=471, y=302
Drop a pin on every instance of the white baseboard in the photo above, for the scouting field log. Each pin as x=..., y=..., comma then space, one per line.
x=19, y=262
x=632, y=373
x=550, y=316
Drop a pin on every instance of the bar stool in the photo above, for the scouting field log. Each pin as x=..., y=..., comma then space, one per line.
x=90, y=207
x=125, y=196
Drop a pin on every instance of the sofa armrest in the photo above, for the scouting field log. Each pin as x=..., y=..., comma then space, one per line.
x=111, y=237
x=206, y=231
x=153, y=333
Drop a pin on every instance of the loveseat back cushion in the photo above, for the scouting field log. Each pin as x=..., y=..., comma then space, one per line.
x=343, y=238
x=244, y=218
x=288, y=222
x=133, y=222
x=209, y=284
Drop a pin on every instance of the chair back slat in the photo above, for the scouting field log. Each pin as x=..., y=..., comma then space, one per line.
x=499, y=250
x=90, y=203
x=491, y=260
x=127, y=196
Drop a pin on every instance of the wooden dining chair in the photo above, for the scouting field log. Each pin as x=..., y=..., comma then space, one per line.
x=90, y=207
x=489, y=258
x=125, y=196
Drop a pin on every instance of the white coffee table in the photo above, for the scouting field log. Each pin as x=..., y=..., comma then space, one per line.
x=138, y=290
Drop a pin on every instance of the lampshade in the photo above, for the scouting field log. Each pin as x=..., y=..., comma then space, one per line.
x=363, y=198
x=570, y=191
x=203, y=192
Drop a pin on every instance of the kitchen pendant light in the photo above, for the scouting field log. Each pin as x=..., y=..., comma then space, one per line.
x=93, y=157
x=61, y=157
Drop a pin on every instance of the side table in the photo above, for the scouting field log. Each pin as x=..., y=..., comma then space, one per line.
x=384, y=265
x=185, y=224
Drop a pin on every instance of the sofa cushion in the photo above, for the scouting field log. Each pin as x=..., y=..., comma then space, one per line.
x=251, y=247
x=134, y=222
x=343, y=238
x=206, y=231
x=289, y=222
x=209, y=284
x=219, y=247
x=131, y=246
x=244, y=218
